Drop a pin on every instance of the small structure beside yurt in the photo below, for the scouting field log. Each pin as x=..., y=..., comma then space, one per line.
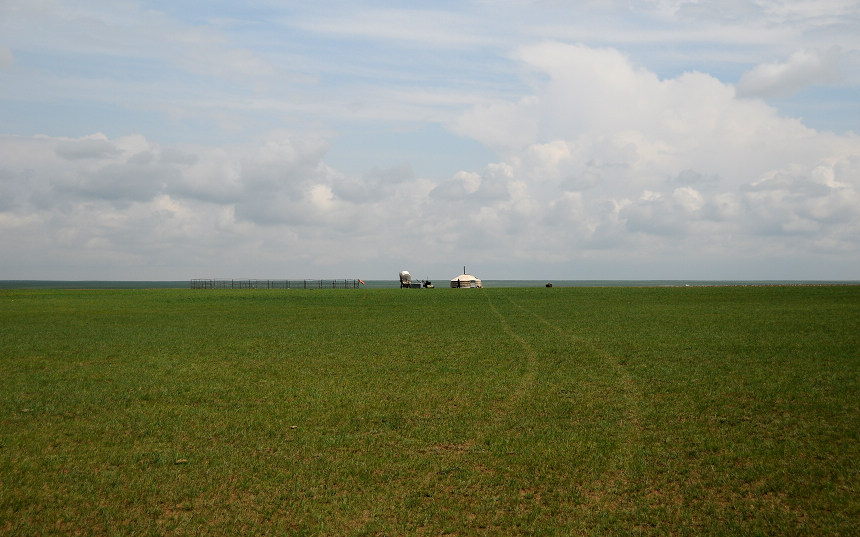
x=465, y=281
x=406, y=281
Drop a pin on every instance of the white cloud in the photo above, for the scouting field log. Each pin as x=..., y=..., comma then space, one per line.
x=624, y=150
x=616, y=164
x=680, y=158
x=129, y=195
x=804, y=68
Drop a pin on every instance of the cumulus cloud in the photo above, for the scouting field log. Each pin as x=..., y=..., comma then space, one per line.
x=129, y=198
x=804, y=68
x=680, y=158
x=600, y=162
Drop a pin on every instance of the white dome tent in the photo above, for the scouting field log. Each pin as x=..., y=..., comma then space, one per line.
x=466, y=281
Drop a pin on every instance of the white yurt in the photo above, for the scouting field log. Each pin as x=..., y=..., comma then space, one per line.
x=465, y=281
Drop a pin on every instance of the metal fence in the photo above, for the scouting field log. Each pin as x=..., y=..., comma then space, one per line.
x=204, y=283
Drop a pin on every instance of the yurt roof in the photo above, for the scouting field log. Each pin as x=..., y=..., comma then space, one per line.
x=464, y=278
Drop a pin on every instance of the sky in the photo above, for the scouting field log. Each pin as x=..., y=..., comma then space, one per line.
x=598, y=139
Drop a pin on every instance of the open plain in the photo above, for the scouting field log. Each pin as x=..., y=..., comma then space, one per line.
x=715, y=410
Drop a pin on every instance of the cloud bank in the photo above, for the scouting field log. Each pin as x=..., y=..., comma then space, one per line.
x=605, y=170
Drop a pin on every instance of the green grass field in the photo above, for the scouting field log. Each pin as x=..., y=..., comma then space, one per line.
x=724, y=410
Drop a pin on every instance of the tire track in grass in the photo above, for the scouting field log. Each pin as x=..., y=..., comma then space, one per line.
x=607, y=495
x=632, y=397
x=631, y=393
x=528, y=379
x=622, y=476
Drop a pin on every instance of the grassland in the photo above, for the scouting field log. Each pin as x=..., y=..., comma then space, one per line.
x=727, y=410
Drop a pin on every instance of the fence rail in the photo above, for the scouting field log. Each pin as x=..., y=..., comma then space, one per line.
x=203, y=283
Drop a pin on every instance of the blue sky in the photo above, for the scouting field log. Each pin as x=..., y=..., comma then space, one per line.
x=664, y=139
